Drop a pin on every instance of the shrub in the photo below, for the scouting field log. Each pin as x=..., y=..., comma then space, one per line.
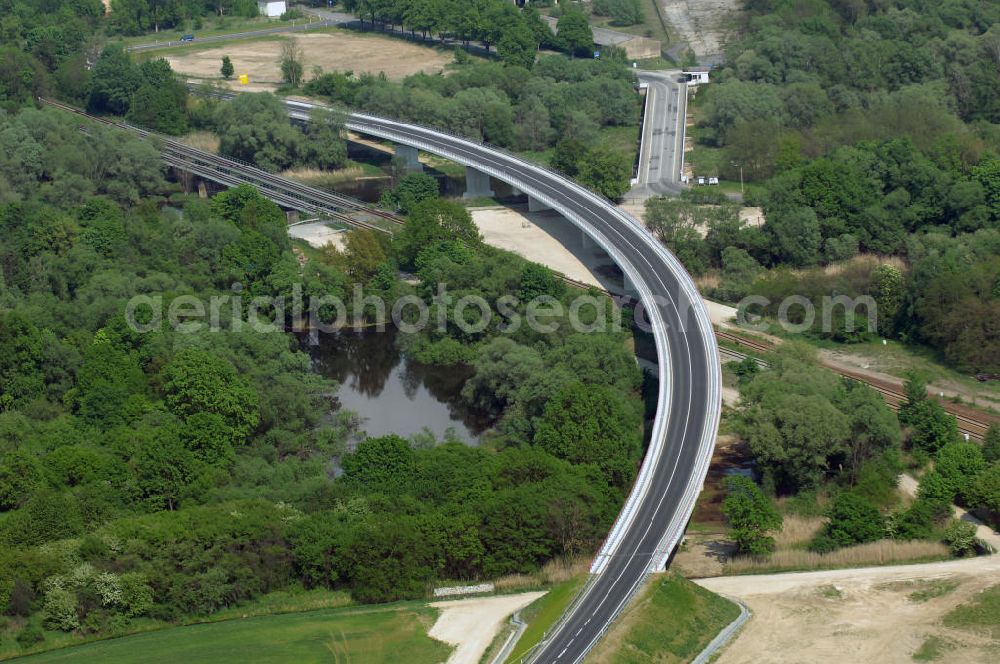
x=30, y=635
x=751, y=516
x=960, y=536
x=59, y=609
x=853, y=520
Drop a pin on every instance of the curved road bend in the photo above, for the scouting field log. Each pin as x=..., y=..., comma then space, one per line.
x=686, y=423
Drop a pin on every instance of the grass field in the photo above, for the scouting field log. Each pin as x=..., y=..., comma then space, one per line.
x=542, y=614
x=369, y=635
x=672, y=621
x=982, y=614
x=212, y=27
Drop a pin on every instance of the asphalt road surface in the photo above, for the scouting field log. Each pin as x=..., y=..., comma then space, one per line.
x=663, y=133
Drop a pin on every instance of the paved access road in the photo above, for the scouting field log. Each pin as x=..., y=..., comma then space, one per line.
x=662, y=152
x=686, y=422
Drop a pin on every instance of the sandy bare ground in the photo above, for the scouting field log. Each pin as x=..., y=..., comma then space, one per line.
x=333, y=51
x=543, y=237
x=700, y=23
x=471, y=624
x=855, y=615
x=547, y=238
x=318, y=234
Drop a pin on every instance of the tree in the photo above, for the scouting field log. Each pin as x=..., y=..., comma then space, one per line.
x=532, y=127
x=114, y=79
x=227, y=70
x=960, y=536
x=793, y=435
x=622, y=12
x=383, y=464
x=59, y=609
x=255, y=127
x=326, y=147
x=887, y=287
x=795, y=236
x=853, y=520
x=573, y=32
x=413, y=188
x=751, y=516
x=734, y=102
x=196, y=381
x=739, y=270
x=931, y=427
x=675, y=223
x=163, y=469
x=991, y=444
x=291, y=63
x=959, y=463
x=567, y=156
x=431, y=222
x=606, y=172
x=364, y=252
x=517, y=47
x=591, y=424
x=986, y=490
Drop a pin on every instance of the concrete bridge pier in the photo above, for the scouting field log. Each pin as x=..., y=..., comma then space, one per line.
x=409, y=156
x=477, y=184
x=535, y=205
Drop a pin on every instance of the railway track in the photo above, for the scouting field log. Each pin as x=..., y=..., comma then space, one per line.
x=233, y=172
x=971, y=422
x=280, y=189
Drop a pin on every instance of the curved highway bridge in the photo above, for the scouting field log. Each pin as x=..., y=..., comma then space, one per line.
x=656, y=512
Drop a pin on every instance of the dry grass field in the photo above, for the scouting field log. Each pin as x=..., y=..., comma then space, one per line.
x=333, y=51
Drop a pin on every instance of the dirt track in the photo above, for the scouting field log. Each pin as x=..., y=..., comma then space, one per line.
x=855, y=615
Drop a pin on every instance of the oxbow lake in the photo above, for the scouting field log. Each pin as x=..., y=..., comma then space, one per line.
x=392, y=393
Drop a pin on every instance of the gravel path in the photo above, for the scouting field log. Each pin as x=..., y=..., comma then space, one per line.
x=471, y=624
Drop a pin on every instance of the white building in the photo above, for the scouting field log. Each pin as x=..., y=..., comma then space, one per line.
x=271, y=9
x=696, y=75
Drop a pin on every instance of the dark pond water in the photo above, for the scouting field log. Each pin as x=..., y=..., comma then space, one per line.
x=392, y=393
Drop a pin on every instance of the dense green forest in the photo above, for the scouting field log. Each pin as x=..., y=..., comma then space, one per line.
x=872, y=129
x=168, y=474
x=171, y=473
x=835, y=449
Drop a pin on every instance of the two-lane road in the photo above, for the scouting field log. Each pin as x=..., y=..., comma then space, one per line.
x=662, y=153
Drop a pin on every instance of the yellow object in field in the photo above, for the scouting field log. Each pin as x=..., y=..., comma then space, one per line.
x=244, y=79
